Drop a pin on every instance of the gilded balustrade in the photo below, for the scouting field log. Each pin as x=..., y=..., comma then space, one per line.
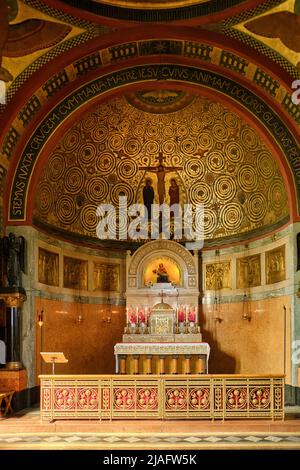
x=156, y=397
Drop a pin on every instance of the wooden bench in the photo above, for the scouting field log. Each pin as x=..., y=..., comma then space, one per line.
x=5, y=403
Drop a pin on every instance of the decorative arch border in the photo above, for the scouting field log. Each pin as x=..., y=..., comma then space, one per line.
x=174, y=12
x=207, y=49
x=267, y=120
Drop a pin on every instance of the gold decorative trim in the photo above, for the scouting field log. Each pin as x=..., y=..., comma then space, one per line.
x=16, y=365
x=162, y=348
x=162, y=397
x=13, y=299
x=153, y=5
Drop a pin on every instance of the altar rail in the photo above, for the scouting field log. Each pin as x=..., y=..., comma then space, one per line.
x=162, y=397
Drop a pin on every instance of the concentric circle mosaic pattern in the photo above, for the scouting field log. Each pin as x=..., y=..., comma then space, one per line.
x=220, y=161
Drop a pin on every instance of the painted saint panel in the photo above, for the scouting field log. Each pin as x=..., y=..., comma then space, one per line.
x=48, y=267
x=218, y=276
x=75, y=273
x=248, y=272
x=275, y=265
x=106, y=277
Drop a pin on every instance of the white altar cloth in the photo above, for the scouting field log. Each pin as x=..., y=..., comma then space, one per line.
x=161, y=349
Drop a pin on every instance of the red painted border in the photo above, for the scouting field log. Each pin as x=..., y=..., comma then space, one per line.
x=136, y=34
x=189, y=87
x=120, y=66
x=200, y=20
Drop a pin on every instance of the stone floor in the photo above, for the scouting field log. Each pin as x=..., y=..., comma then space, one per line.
x=24, y=430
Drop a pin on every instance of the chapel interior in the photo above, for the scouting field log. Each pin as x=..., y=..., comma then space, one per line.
x=196, y=100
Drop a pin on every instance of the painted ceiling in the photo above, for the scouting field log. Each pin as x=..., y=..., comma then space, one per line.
x=33, y=33
x=219, y=161
x=156, y=10
x=254, y=43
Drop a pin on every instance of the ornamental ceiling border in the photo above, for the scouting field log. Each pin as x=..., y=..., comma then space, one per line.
x=227, y=28
x=91, y=31
x=143, y=74
x=204, y=52
x=134, y=245
x=56, y=13
x=177, y=13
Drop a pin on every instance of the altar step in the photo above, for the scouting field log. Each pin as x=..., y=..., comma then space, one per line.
x=24, y=430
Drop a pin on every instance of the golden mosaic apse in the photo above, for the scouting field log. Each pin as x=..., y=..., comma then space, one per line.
x=213, y=156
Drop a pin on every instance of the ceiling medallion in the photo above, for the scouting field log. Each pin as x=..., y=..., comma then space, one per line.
x=160, y=101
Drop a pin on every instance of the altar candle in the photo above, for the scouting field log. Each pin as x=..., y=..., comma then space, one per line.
x=127, y=316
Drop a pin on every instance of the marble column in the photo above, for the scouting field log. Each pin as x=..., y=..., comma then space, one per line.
x=149, y=364
x=174, y=369
x=162, y=364
x=122, y=359
x=200, y=365
x=13, y=303
x=136, y=358
x=187, y=363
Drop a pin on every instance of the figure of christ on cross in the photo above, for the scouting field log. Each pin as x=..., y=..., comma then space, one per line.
x=160, y=170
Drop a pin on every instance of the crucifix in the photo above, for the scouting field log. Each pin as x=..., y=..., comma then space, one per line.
x=160, y=170
x=162, y=295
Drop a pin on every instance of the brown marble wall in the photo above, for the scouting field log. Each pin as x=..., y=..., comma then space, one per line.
x=87, y=344
x=249, y=347
x=237, y=345
x=13, y=380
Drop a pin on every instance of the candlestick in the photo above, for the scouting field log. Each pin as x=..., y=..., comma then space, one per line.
x=40, y=318
x=146, y=316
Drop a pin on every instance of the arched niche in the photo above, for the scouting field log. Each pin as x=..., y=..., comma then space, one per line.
x=139, y=293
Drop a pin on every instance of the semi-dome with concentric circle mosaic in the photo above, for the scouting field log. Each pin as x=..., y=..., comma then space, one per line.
x=218, y=159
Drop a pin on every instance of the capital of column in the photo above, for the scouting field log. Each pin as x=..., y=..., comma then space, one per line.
x=13, y=298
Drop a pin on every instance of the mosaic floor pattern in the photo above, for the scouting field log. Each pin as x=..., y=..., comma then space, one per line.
x=148, y=441
x=24, y=430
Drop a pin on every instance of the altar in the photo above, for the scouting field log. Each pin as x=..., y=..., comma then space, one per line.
x=162, y=333
x=173, y=358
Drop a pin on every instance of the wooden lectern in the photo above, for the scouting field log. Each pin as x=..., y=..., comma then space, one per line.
x=54, y=358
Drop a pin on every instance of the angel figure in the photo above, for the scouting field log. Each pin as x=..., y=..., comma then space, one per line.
x=284, y=25
x=26, y=37
x=14, y=254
